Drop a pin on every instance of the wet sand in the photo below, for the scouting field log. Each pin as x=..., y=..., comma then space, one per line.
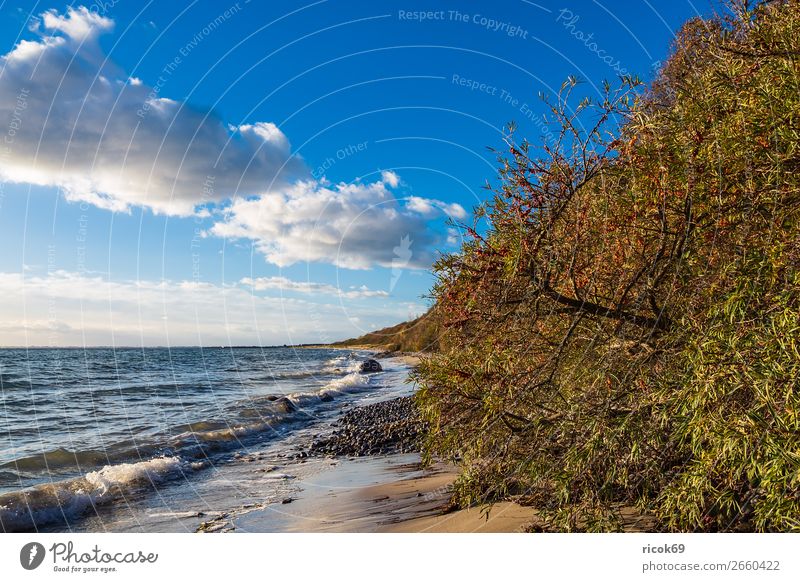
x=380, y=494
x=376, y=493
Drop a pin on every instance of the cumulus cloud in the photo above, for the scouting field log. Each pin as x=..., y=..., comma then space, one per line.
x=79, y=123
x=390, y=178
x=309, y=287
x=430, y=207
x=354, y=226
x=79, y=24
x=68, y=308
x=108, y=138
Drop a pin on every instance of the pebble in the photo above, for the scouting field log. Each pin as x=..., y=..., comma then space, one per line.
x=386, y=427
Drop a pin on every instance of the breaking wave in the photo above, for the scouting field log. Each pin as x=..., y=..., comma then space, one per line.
x=63, y=501
x=79, y=481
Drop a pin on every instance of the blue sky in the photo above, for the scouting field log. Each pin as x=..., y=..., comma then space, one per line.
x=267, y=172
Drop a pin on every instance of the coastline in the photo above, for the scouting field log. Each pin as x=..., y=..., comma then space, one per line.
x=350, y=463
x=354, y=490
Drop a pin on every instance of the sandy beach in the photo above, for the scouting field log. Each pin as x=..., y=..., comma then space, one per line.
x=392, y=494
x=353, y=489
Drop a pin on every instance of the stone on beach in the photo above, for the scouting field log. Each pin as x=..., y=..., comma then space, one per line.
x=370, y=366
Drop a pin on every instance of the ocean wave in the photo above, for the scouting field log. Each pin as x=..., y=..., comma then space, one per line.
x=344, y=364
x=59, y=458
x=9, y=477
x=220, y=439
x=145, y=388
x=83, y=479
x=296, y=375
x=336, y=366
x=130, y=475
x=194, y=440
x=64, y=501
x=351, y=383
x=200, y=426
x=250, y=418
x=11, y=383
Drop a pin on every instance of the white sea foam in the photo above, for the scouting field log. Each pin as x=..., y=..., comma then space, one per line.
x=352, y=382
x=66, y=500
x=342, y=364
x=42, y=505
x=127, y=474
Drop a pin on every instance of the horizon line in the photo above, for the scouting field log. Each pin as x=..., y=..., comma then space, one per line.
x=162, y=347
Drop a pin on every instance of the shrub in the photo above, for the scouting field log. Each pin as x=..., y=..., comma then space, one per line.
x=624, y=328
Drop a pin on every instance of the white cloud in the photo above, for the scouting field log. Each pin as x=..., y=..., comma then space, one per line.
x=108, y=138
x=390, y=178
x=354, y=226
x=430, y=207
x=309, y=287
x=453, y=237
x=79, y=24
x=77, y=122
x=66, y=308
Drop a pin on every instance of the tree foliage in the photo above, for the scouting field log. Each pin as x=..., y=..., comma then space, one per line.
x=626, y=329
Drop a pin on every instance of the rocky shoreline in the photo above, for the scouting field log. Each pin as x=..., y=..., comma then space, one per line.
x=383, y=428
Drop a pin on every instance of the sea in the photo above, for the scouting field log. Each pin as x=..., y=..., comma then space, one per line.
x=163, y=439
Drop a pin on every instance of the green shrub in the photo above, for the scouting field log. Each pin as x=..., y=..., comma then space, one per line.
x=624, y=328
